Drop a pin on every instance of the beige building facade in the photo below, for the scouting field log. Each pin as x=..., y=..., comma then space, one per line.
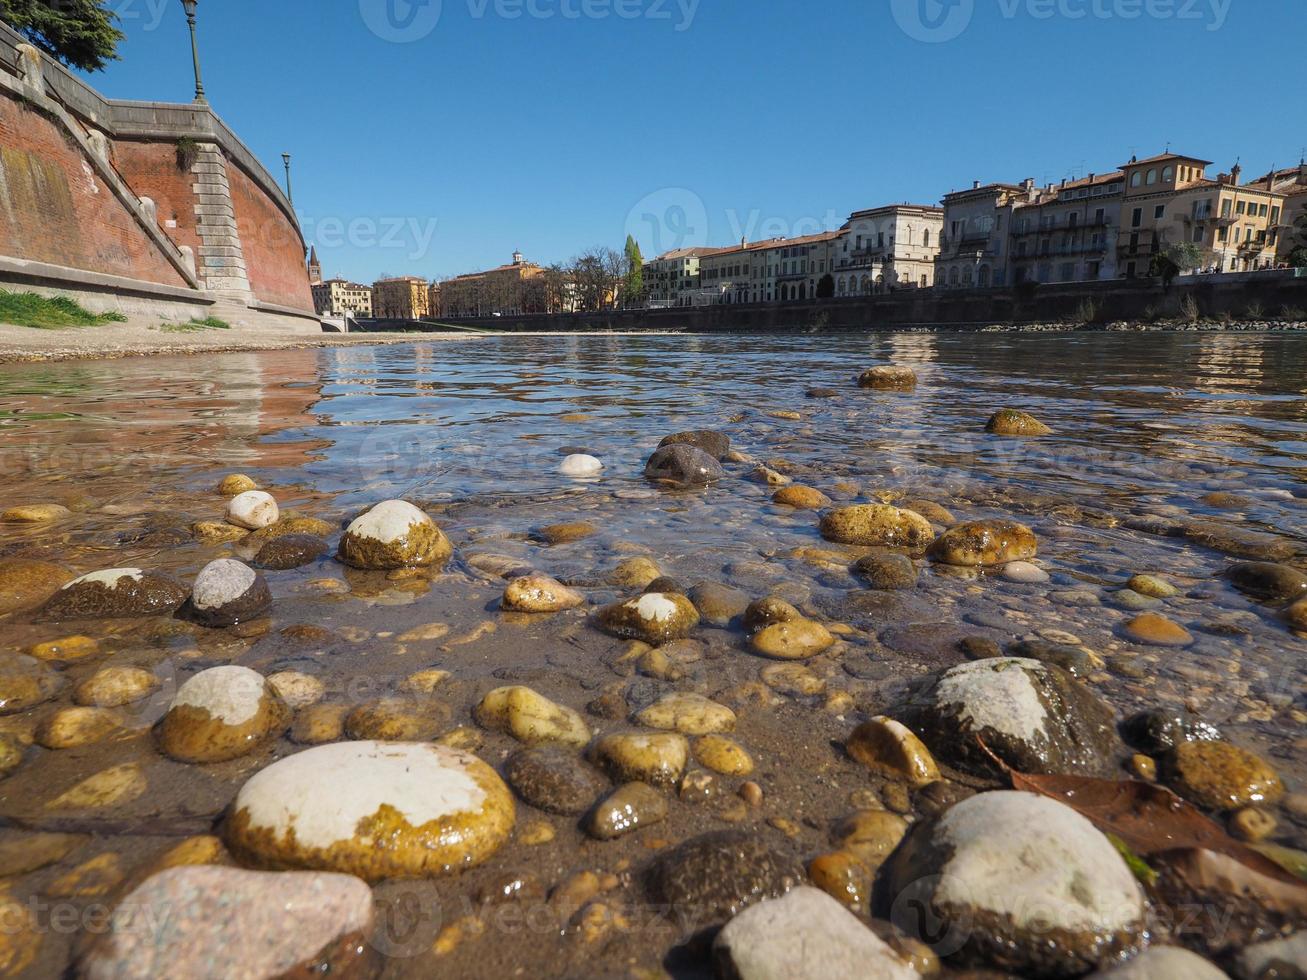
x=401, y=298
x=887, y=248
x=337, y=297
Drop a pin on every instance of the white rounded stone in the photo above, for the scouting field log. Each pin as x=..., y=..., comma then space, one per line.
x=253, y=509
x=436, y=807
x=229, y=694
x=388, y=521
x=654, y=607
x=1004, y=700
x=1025, y=573
x=1036, y=864
x=581, y=465
x=221, y=582
x=297, y=689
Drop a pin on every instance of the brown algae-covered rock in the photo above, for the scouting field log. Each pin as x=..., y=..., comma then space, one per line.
x=394, y=534
x=1010, y=422
x=115, y=593
x=655, y=617
x=976, y=543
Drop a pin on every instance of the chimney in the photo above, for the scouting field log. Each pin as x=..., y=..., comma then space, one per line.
x=975, y=185
x=1234, y=174
x=1028, y=184
x=1063, y=183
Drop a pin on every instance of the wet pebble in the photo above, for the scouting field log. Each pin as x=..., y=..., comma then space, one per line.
x=658, y=759
x=878, y=525
x=683, y=466
x=114, y=687
x=715, y=444
x=891, y=750
x=392, y=535
x=888, y=377
x=540, y=594
x=26, y=682
x=115, y=593
x=252, y=509
x=531, y=718
x=1154, y=629
x=628, y=808
x=689, y=714
x=1268, y=581
x=887, y=572
x=26, y=584
x=71, y=728
x=722, y=755
x=718, y=605
x=801, y=498
x=554, y=778
x=1025, y=573
x=290, y=551
x=983, y=543
x=799, y=639
x=580, y=465
x=654, y=617
x=397, y=719
x=220, y=714
x=1010, y=422
x=227, y=592
x=1220, y=776
x=438, y=810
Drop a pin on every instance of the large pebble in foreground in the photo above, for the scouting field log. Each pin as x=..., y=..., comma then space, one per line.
x=1022, y=883
x=220, y=714
x=213, y=923
x=115, y=592
x=373, y=809
x=394, y=534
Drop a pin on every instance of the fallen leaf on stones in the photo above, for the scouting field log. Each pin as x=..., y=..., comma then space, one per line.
x=1149, y=819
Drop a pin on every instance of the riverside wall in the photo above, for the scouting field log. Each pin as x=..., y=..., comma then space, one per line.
x=150, y=209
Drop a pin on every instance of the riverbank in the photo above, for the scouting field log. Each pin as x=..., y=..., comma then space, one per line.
x=116, y=340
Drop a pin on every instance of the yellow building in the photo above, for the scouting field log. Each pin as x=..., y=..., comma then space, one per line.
x=401, y=298
x=336, y=297
x=1170, y=200
x=519, y=287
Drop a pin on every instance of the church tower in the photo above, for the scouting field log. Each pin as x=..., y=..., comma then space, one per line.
x=315, y=267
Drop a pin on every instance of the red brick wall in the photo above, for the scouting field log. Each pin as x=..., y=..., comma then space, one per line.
x=150, y=170
x=274, y=254
x=53, y=208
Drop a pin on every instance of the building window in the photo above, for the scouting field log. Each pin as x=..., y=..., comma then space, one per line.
x=1138, y=218
x=1167, y=174
x=1159, y=212
x=1136, y=179
x=1152, y=177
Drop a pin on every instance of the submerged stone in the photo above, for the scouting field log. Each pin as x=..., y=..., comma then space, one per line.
x=715, y=444
x=228, y=592
x=554, y=778
x=26, y=584
x=878, y=525
x=683, y=466
x=1221, y=776
x=26, y=682
x=1268, y=581
x=888, y=377
x=993, y=542
x=1010, y=422
x=252, y=509
x=115, y=593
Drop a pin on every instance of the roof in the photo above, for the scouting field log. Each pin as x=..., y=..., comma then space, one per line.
x=986, y=189
x=771, y=243
x=1112, y=178
x=933, y=208
x=684, y=253
x=1166, y=156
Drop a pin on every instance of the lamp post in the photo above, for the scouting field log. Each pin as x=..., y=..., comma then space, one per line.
x=285, y=158
x=190, y=6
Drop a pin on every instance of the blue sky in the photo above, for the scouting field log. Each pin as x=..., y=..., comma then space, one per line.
x=434, y=145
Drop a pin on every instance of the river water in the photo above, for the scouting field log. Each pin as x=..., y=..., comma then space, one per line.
x=1152, y=433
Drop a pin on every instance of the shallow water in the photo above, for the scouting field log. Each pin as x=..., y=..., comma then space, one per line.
x=1145, y=425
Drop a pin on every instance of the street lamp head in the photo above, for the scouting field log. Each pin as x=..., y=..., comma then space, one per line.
x=190, y=6
x=285, y=158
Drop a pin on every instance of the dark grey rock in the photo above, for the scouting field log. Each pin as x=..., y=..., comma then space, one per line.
x=887, y=571
x=1160, y=730
x=683, y=465
x=1034, y=717
x=707, y=880
x=554, y=779
x=715, y=444
x=1268, y=581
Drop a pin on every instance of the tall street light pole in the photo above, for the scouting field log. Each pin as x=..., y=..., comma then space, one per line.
x=190, y=6
x=285, y=158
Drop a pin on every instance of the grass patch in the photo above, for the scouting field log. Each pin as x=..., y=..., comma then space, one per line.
x=50, y=313
x=191, y=326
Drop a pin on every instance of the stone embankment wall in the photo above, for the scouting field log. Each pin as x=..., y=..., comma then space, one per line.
x=1257, y=296
x=151, y=209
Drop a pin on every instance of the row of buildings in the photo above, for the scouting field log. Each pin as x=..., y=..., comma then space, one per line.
x=1102, y=227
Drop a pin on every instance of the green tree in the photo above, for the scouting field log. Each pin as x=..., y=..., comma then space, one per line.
x=633, y=288
x=1298, y=257
x=826, y=286
x=79, y=33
